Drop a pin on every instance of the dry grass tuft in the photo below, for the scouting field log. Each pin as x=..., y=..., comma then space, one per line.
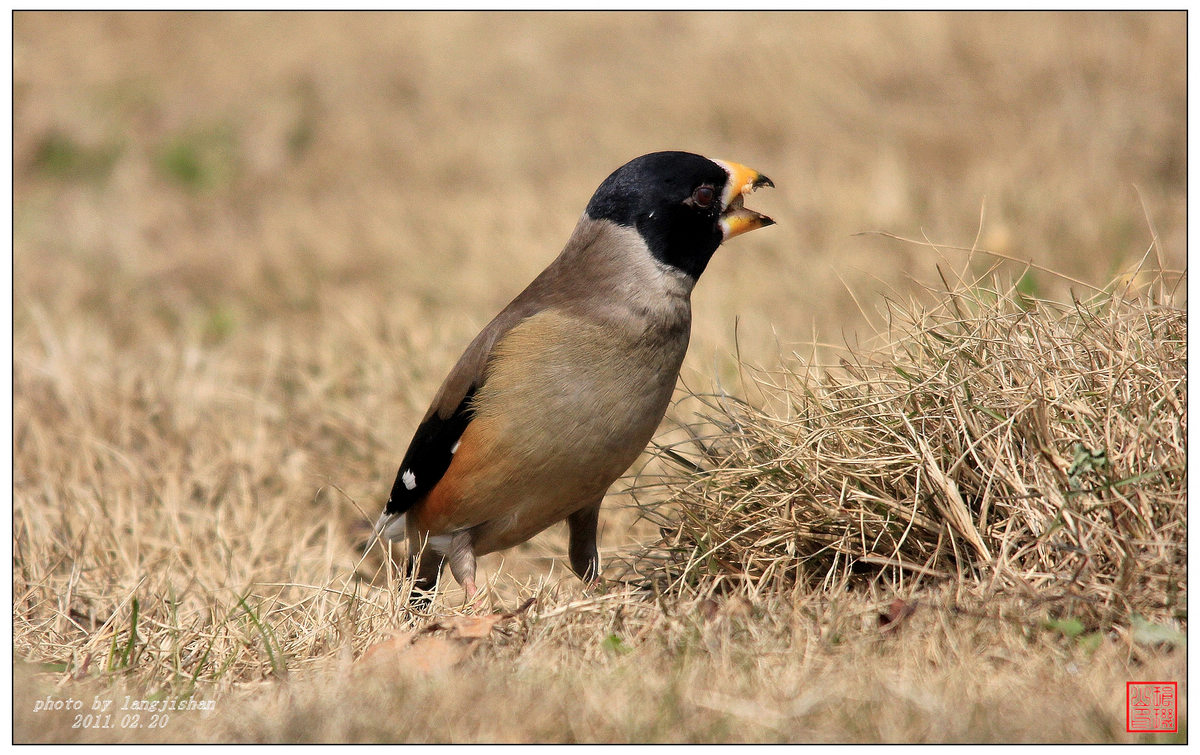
x=1038, y=447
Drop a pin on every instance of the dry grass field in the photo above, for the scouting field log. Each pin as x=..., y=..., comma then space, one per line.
x=925, y=482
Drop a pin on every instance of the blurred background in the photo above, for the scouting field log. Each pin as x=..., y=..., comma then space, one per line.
x=248, y=246
x=268, y=161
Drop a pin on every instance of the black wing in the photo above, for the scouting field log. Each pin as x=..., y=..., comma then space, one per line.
x=433, y=445
x=429, y=456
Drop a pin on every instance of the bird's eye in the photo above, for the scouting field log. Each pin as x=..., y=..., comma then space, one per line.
x=703, y=196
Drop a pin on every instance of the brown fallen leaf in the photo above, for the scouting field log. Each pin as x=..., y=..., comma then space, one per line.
x=397, y=643
x=408, y=651
x=426, y=651
x=81, y=672
x=475, y=627
x=896, y=613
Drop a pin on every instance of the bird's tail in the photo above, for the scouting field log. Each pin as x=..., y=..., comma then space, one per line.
x=388, y=527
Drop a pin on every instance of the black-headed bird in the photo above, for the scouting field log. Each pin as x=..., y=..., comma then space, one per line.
x=559, y=394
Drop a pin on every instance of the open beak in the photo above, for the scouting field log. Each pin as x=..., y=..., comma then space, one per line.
x=736, y=219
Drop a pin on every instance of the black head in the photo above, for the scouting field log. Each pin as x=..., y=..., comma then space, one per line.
x=682, y=204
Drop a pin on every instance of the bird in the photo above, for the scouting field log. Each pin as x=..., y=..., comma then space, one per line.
x=559, y=394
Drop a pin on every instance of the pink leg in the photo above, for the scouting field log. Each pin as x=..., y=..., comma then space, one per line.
x=462, y=562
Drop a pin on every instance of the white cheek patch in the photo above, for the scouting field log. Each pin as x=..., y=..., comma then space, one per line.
x=409, y=479
x=731, y=189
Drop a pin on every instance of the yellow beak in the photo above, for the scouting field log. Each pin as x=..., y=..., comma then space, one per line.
x=735, y=218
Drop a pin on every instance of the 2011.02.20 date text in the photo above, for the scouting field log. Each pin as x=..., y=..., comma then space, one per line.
x=126, y=721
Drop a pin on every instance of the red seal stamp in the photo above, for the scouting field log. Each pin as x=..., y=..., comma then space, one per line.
x=1151, y=707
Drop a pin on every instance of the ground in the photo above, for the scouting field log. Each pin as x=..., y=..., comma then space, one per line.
x=247, y=248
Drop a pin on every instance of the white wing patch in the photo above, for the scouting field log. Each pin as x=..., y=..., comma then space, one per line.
x=409, y=479
x=454, y=448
